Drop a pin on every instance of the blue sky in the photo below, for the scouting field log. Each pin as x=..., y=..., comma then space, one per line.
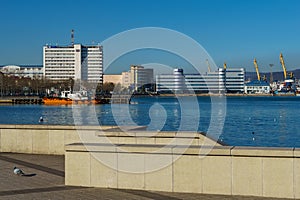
x=232, y=31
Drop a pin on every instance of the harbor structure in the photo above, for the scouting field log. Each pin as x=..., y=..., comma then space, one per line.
x=23, y=71
x=257, y=87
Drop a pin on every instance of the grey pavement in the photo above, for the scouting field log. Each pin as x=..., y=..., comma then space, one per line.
x=45, y=180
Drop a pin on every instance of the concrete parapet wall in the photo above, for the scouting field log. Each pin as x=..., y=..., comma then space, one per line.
x=42, y=139
x=267, y=172
x=51, y=139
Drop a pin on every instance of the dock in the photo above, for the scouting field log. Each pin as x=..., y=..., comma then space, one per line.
x=21, y=100
x=120, y=99
x=115, y=99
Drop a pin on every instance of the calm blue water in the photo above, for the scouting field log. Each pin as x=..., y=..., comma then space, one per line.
x=248, y=121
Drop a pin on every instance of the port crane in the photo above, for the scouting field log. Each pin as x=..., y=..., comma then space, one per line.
x=291, y=75
x=283, y=65
x=225, y=66
x=256, y=68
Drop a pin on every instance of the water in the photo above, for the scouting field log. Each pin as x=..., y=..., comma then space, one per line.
x=249, y=121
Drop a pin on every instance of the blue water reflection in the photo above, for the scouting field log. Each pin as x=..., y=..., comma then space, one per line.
x=249, y=121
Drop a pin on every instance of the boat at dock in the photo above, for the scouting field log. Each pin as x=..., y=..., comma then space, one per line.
x=68, y=97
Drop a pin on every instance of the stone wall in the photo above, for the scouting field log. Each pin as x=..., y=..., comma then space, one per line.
x=51, y=139
x=267, y=172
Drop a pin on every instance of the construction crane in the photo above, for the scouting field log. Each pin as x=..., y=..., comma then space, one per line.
x=256, y=68
x=283, y=66
x=225, y=66
x=208, y=65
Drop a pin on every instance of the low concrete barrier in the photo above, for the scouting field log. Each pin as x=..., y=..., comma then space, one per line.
x=132, y=159
x=267, y=172
x=51, y=139
x=42, y=139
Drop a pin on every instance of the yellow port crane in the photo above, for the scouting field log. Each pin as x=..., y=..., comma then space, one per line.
x=256, y=68
x=283, y=66
x=208, y=65
x=225, y=66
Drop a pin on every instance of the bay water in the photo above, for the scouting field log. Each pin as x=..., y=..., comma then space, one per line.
x=238, y=121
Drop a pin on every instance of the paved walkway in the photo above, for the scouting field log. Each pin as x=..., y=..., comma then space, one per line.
x=45, y=180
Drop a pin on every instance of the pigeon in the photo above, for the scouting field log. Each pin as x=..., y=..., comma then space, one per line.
x=41, y=119
x=18, y=171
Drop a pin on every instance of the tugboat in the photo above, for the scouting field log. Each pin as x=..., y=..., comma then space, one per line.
x=67, y=97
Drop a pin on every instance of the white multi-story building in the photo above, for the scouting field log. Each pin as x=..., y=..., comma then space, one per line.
x=140, y=76
x=235, y=80
x=212, y=82
x=76, y=62
x=126, y=79
x=24, y=71
x=175, y=82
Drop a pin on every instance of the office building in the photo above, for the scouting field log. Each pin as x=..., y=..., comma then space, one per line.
x=140, y=76
x=76, y=62
x=171, y=83
x=180, y=83
x=235, y=80
x=211, y=82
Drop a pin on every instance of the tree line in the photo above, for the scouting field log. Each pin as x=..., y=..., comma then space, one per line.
x=25, y=86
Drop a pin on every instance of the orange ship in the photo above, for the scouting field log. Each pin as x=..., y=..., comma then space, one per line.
x=67, y=101
x=67, y=97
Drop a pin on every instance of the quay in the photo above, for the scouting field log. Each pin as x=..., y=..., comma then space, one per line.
x=115, y=99
x=125, y=163
x=21, y=100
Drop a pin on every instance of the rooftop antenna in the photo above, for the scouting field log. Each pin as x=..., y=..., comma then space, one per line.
x=72, y=37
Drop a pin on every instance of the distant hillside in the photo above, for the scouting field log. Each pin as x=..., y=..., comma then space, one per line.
x=276, y=75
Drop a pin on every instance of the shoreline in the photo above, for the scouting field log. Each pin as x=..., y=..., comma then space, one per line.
x=36, y=100
x=207, y=95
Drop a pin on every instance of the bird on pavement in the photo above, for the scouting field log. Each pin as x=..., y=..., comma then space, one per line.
x=18, y=171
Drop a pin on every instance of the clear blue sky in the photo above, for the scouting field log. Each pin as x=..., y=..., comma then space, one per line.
x=234, y=31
